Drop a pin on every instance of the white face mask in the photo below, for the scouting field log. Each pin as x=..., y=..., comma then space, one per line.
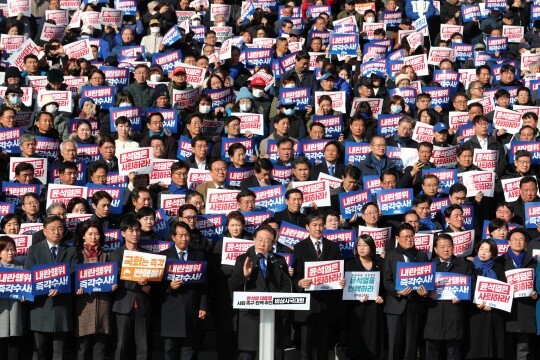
x=245, y=107
x=221, y=24
x=155, y=77
x=288, y=86
x=370, y=19
x=124, y=105
x=457, y=41
x=258, y=93
x=288, y=112
x=51, y=108
x=195, y=23
x=154, y=29
x=204, y=109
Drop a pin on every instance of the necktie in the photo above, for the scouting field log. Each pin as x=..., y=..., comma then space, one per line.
x=447, y=265
x=262, y=265
x=220, y=187
x=318, y=248
x=182, y=255
x=53, y=253
x=331, y=170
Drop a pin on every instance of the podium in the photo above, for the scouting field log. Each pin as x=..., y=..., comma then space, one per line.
x=268, y=303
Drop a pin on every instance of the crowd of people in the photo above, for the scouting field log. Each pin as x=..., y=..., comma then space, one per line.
x=191, y=86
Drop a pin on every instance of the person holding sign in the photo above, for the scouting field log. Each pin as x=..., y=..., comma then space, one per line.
x=93, y=321
x=403, y=308
x=486, y=325
x=184, y=305
x=521, y=322
x=365, y=319
x=445, y=320
x=528, y=192
x=259, y=270
x=317, y=323
x=12, y=319
x=51, y=315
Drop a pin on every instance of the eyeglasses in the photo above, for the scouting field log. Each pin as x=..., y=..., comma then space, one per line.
x=181, y=174
x=189, y=218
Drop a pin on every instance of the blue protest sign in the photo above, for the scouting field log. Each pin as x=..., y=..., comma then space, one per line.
x=470, y=12
x=167, y=60
x=54, y=174
x=171, y=36
x=257, y=57
x=270, y=197
x=188, y=272
x=96, y=277
x=13, y=191
x=105, y=96
x=532, y=215
x=184, y=148
x=440, y=96
x=236, y=175
x=356, y=152
x=161, y=227
x=531, y=146
x=49, y=277
x=343, y=44
x=220, y=97
x=47, y=147
x=408, y=94
x=155, y=246
x=388, y=124
x=333, y=125
x=134, y=114
x=451, y=286
x=300, y=96
x=254, y=219
x=227, y=142
x=394, y=201
x=414, y=275
x=170, y=117
x=16, y=284
x=116, y=193
x=282, y=174
x=391, y=18
x=113, y=240
x=463, y=52
x=9, y=140
x=118, y=77
x=313, y=149
x=350, y=203
x=290, y=235
x=345, y=239
x=211, y=226
x=447, y=78
x=496, y=44
x=447, y=177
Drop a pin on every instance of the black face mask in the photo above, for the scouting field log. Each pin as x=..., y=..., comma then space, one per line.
x=74, y=72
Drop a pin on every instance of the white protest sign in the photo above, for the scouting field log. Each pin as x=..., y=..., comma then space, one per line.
x=379, y=235
x=317, y=192
x=332, y=181
x=422, y=132
x=221, y=201
x=251, y=122
x=513, y=33
x=79, y=49
x=39, y=164
x=161, y=171
x=476, y=181
x=507, y=119
x=63, y=98
x=463, y=242
x=110, y=17
x=11, y=43
x=58, y=193
x=493, y=293
x=232, y=248
x=486, y=160
x=339, y=102
x=137, y=160
x=324, y=275
x=511, y=188
x=359, y=284
x=522, y=280
x=197, y=176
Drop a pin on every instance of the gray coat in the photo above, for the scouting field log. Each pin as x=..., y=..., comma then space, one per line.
x=51, y=314
x=13, y=315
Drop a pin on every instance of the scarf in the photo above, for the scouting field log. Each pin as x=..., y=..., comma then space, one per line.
x=428, y=223
x=485, y=267
x=379, y=165
x=401, y=140
x=410, y=253
x=92, y=252
x=518, y=259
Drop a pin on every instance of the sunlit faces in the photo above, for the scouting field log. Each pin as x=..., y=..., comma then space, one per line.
x=294, y=202
x=528, y=191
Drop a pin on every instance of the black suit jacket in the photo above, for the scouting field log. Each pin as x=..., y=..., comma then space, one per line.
x=190, y=161
x=114, y=167
x=180, y=307
x=323, y=168
x=252, y=182
x=323, y=303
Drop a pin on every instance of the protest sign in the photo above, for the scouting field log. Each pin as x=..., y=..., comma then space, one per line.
x=79, y=49
x=381, y=236
x=232, y=248
x=447, y=30
x=496, y=45
x=324, y=275
x=188, y=272
x=507, y=119
x=333, y=125
x=361, y=284
x=422, y=132
x=47, y=277
x=105, y=96
x=140, y=266
x=59, y=193
x=463, y=242
x=270, y=197
x=513, y=33
x=15, y=284
x=317, y=192
x=27, y=48
x=450, y=286
x=137, y=160
x=161, y=171
x=394, y=201
x=522, y=280
x=196, y=177
x=532, y=214
x=221, y=201
x=96, y=277
x=511, y=188
x=289, y=234
x=493, y=293
x=413, y=275
x=15, y=7
x=476, y=181
x=351, y=203
x=486, y=160
x=339, y=98
x=251, y=122
x=11, y=43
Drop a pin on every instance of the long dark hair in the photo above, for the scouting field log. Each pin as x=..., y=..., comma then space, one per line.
x=369, y=242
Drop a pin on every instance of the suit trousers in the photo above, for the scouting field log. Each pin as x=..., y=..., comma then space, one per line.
x=314, y=335
x=403, y=335
x=92, y=346
x=132, y=327
x=436, y=349
x=9, y=347
x=50, y=342
x=178, y=348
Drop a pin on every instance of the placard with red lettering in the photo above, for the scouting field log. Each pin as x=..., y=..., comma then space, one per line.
x=394, y=201
x=52, y=31
x=332, y=181
x=415, y=40
x=522, y=280
x=511, y=188
x=457, y=119
x=40, y=167
x=447, y=30
x=477, y=181
x=221, y=201
x=171, y=202
x=227, y=142
x=324, y=275
x=317, y=192
x=110, y=17
x=60, y=17
x=437, y=54
x=381, y=236
x=220, y=9
x=423, y=241
x=507, y=119
x=513, y=33
x=313, y=150
x=47, y=277
x=11, y=43
x=463, y=242
x=161, y=171
x=73, y=220
x=422, y=132
x=251, y=122
x=22, y=243
x=486, y=160
x=96, y=277
x=232, y=248
x=59, y=193
x=450, y=286
x=79, y=49
x=15, y=7
x=338, y=100
x=345, y=238
x=196, y=177
x=141, y=266
x=415, y=274
x=493, y=293
x=27, y=48
x=289, y=234
x=137, y=160
x=13, y=191
x=63, y=98
x=16, y=284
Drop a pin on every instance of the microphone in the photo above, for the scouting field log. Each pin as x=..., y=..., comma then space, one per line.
x=282, y=267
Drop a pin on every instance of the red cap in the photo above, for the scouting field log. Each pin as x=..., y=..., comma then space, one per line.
x=179, y=70
x=258, y=81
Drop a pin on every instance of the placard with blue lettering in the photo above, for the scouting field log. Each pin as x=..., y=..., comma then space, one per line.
x=270, y=197
x=167, y=60
x=496, y=44
x=300, y=96
x=313, y=150
x=350, y=203
x=450, y=286
x=54, y=173
x=16, y=284
x=96, y=277
x=9, y=140
x=532, y=215
x=116, y=76
x=345, y=238
x=413, y=275
x=394, y=201
x=220, y=97
x=356, y=152
x=49, y=277
x=105, y=96
x=290, y=234
x=188, y=272
x=13, y=191
x=47, y=147
x=447, y=177
x=227, y=142
x=257, y=57
x=361, y=284
x=333, y=125
x=469, y=13
x=463, y=52
x=343, y=44
x=254, y=219
x=211, y=226
x=408, y=94
x=391, y=18
x=388, y=124
x=116, y=193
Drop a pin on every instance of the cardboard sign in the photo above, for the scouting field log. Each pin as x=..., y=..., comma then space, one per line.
x=324, y=275
x=463, y=242
x=494, y=293
x=58, y=193
x=96, y=277
x=221, y=201
x=317, y=192
x=413, y=275
x=351, y=203
x=197, y=176
x=450, y=286
x=511, y=188
x=507, y=119
x=188, y=272
x=40, y=167
x=232, y=248
x=15, y=284
x=141, y=266
x=477, y=181
x=394, y=201
x=513, y=33
x=437, y=54
x=381, y=236
x=422, y=132
x=486, y=160
x=522, y=280
x=48, y=277
x=15, y=7
x=79, y=49
x=11, y=43
x=138, y=161
x=359, y=284
x=270, y=197
x=251, y=122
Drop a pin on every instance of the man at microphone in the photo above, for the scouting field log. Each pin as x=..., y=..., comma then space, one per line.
x=259, y=270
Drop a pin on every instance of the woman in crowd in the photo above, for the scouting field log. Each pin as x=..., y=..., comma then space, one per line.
x=10, y=224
